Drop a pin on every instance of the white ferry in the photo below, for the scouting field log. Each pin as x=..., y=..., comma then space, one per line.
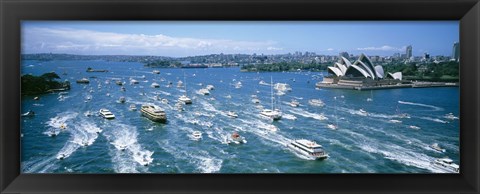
x=153, y=113
x=185, y=99
x=105, y=113
x=445, y=164
x=308, y=148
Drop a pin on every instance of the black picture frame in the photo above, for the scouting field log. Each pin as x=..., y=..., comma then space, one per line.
x=14, y=11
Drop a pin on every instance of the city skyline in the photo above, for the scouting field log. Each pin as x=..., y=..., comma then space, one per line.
x=180, y=39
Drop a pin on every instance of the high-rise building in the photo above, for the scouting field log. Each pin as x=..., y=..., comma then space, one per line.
x=456, y=51
x=344, y=54
x=409, y=52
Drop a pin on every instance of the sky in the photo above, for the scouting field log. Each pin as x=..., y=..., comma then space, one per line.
x=191, y=38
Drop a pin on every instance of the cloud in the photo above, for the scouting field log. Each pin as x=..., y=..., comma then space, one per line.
x=75, y=41
x=381, y=48
x=330, y=49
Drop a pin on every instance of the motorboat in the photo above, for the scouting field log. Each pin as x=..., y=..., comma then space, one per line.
x=155, y=85
x=197, y=135
x=105, y=113
x=437, y=148
x=362, y=112
x=450, y=116
x=123, y=89
x=36, y=98
x=228, y=96
x=263, y=83
x=61, y=156
x=316, y=102
x=121, y=100
x=403, y=116
x=120, y=146
x=179, y=84
x=83, y=81
x=30, y=113
x=238, y=85
x=294, y=103
x=414, y=127
x=210, y=87
x=445, y=164
x=164, y=101
x=204, y=91
x=154, y=113
x=119, y=82
x=87, y=114
x=369, y=99
x=256, y=100
x=156, y=72
x=133, y=107
x=232, y=114
x=236, y=138
x=308, y=148
x=133, y=81
x=185, y=99
x=332, y=126
x=395, y=121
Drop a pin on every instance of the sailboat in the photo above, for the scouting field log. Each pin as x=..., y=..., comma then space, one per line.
x=184, y=98
x=402, y=115
x=272, y=113
x=332, y=126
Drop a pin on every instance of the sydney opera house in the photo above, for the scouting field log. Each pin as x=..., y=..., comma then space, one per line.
x=360, y=74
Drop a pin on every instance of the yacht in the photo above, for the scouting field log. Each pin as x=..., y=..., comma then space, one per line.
x=445, y=164
x=83, y=81
x=185, y=99
x=105, y=113
x=153, y=113
x=133, y=107
x=155, y=85
x=294, y=103
x=437, y=148
x=204, y=91
x=30, y=113
x=236, y=138
x=308, y=148
x=197, y=135
x=238, y=85
x=272, y=113
x=232, y=114
x=121, y=100
x=210, y=87
x=316, y=102
x=283, y=87
x=450, y=116
x=156, y=72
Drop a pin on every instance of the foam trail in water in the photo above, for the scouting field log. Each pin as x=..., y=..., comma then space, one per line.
x=434, y=119
x=434, y=108
x=303, y=113
x=201, y=159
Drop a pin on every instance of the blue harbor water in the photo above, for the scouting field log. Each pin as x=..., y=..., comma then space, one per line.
x=360, y=144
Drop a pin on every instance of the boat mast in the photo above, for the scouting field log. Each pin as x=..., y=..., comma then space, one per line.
x=185, y=80
x=271, y=90
x=336, y=117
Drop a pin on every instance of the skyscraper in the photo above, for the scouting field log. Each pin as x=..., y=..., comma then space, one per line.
x=409, y=51
x=456, y=51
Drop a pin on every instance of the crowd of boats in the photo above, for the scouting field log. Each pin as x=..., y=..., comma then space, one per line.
x=308, y=148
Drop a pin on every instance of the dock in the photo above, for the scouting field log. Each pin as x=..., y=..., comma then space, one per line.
x=382, y=87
